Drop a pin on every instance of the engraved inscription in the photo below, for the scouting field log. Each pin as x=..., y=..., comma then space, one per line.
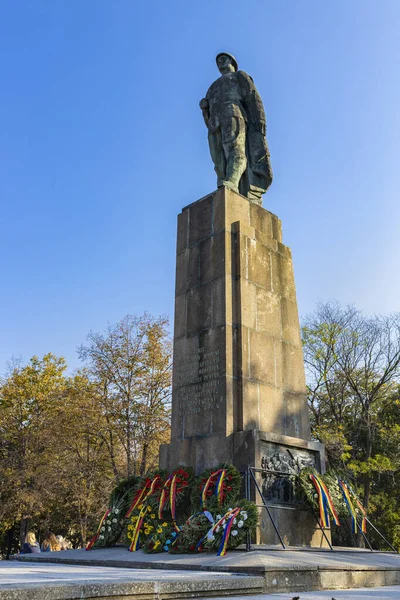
x=196, y=381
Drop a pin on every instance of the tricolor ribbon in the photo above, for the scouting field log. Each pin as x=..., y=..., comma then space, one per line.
x=229, y=517
x=138, y=498
x=218, y=487
x=347, y=499
x=169, y=486
x=156, y=479
x=142, y=495
x=325, y=502
x=96, y=536
x=225, y=538
x=138, y=526
x=362, y=509
x=164, y=496
x=364, y=516
x=136, y=533
x=172, y=502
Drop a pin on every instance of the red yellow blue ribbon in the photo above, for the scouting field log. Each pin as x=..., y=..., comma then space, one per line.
x=362, y=509
x=219, y=484
x=364, y=516
x=172, y=502
x=138, y=526
x=225, y=538
x=163, y=496
x=156, y=479
x=96, y=535
x=325, y=502
x=347, y=499
x=138, y=498
x=136, y=533
x=169, y=486
x=218, y=488
x=226, y=517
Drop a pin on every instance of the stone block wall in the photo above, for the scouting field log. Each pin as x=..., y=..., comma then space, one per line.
x=238, y=361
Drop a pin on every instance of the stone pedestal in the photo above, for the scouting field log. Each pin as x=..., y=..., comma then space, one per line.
x=238, y=363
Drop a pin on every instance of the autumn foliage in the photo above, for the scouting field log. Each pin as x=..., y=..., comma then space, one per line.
x=67, y=440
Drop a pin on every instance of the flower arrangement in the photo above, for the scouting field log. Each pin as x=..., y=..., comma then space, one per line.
x=154, y=507
x=232, y=528
x=142, y=516
x=158, y=504
x=109, y=529
x=340, y=498
x=195, y=528
x=162, y=538
x=220, y=520
x=175, y=495
x=113, y=518
x=306, y=489
x=122, y=494
x=147, y=489
x=211, y=530
x=138, y=532
x=215, y=487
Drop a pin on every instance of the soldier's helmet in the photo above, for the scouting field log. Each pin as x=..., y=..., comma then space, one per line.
x=233, y=59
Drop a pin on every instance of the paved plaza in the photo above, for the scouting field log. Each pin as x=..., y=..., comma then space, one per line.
x=17, y=573
x=382, y=593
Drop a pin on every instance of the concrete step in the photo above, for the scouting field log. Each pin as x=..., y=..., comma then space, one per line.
x=282, y=571
x=42, y=581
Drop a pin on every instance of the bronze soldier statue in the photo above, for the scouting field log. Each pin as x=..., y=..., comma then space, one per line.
x=234, y=114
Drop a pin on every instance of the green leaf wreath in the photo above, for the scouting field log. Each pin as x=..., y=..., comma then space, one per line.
x=155, y=510
x=230, y=490
x=123, y=492
x=111, y=530
x=162, y=538
x=172, y=494
x=245, y=523
x=308, y=493
x=199, y=528
x=110, y=527
x=195, y=528
x=141, y=502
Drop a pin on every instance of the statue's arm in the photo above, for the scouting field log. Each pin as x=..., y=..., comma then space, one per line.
x=205, y=109
x=252, y=102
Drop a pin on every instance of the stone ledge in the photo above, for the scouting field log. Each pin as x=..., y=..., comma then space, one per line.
x=45, y=581
x=257, y=561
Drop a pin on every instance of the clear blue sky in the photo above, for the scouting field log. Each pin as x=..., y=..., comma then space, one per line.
x=102, y=143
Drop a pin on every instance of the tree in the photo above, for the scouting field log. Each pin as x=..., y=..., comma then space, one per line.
x=28, y=399
x=66, y=441
x=84, y=475
x=130, y=367
x=55, y=470
x=353, y=372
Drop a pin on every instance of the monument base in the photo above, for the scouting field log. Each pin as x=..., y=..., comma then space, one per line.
x=238, y=363
x=274, y=458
